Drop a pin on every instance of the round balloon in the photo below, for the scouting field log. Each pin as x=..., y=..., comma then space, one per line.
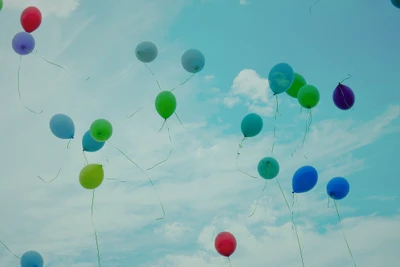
x=146, y=52
x=91, y=176
x=343, y=97
x=338, y=188
x=101, y=130
x=31, y=259
x=268, y=168
x=298, y=82
x=1, y=5
x=225, y=244
x=193, y=61
x=62, y=126
x=251, y=125
x=308, y=96
x=23, y=43
x=280, y=78
x=304, y=179
x=31, y=18
x=89, y=144
x=165, y=104
x=396, y=3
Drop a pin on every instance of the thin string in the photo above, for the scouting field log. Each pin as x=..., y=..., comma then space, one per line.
x=47, y=182
x=262, y=192
x=237, y=158
x=296, y=233
x=348, y=77
x=170, y=152
x=154, y=76
x=329, y=200
x=344, y=236
x=95, y=232
x=182, y=83
x=84, y=155
x=306, y=132
x=116, y=179
x=69, y=142
x=283, y=194
x=176, y=114
x=162, y=126
x=130, y=116
x=230, y=263
x=9, y=250
x=310, y=8
x=148, y=177
x=276, y=114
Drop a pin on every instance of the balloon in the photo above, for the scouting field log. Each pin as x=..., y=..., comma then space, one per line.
x=343, y=97
x=225, y=244
x=280, y=78
x=308, y=96
x=31, y=259
x=298, y=82
x=268, y=168
x=193, y=60
x=101, y=130
x=338, y=188
x=89, y=144
x=91, y=176
x=165, y=104
x=252, y=125
x=396, y=3
x=62, y=126
x=146, y=52
x=1, y=5
x=23, y=43
x=31, y=18
x=304, y=179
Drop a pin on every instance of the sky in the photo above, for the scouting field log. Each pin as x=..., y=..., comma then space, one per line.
x=200, y=187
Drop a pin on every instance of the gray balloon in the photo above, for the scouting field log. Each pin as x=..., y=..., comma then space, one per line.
x=146, y=52
x=193, y=61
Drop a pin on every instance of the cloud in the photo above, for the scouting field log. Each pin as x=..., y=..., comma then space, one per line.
x=209, y=77
x=244, y=2
x=58, y=8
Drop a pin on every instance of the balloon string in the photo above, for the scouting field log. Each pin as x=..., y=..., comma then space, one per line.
x=84, y=155
x=58, y=173
x=309, y=9
x=237, y=158
x=306, y=132
x=9, y=250
x=344, y=236
x=276, y=114
x=179, y=119
x=94, y=229
x=230, y=263
x=148, y=177
x=69, y=142
x=283, y=194
x=296, y=233
x=154, y=76
x=182, y=83
x=115, y=179
x=19, y=91
x=347, y=78
x=329, y=200
x=344, y=98
x=130, y=116
x=262, y=192
x=162, y=126
x=170, y=152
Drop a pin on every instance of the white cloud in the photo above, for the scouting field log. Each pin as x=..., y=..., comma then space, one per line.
x=209, y=77
x=59, y=8
x=244, y=2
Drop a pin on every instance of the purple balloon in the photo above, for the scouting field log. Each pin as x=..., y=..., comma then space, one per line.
x=343, y=97
x=23, y=43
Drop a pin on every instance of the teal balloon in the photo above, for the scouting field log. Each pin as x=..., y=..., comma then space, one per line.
x=280, y=78
x=268, y=168
x=146, y=52
x=31, y=259
x=193, y=61
x=62, y=126
x=89, y=144
x=251, y=125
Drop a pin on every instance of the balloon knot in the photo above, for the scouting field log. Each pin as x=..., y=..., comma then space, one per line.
x=292, y=192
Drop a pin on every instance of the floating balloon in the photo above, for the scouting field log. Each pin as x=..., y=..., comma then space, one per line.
x=62, y=126
x=31, y=259
x=338, y=188
x=1, y=5
x=304, y=179
x=280, y=78
x=298, y=82
x=31, y=18
x=251, y=125
x=101, y=130
x=146, y=52
x=91, y=176
x=23, y=43
x=225, y=244
x=343, y=97
x=268, y=168
x=89, y=144
x=396, y=3
x=193, y=61
x=165, y=104
x=308, y=96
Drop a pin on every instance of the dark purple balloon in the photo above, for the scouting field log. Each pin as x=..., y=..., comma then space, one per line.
x=343, y=97
x=23, y=43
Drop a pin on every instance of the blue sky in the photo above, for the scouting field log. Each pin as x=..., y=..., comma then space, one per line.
x=201, y=189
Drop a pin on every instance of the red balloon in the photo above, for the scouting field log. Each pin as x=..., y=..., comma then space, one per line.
x=225, y=244
x=31, y=18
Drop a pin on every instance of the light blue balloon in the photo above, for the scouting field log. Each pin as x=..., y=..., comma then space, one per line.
x=146, y=51
x=62, y=126
x=280, y=78
x=252, y=125
x=89, y=144
x=304, y=179
x=338, y=188
x=31, y=259
x=193, y=61
x=268, y=168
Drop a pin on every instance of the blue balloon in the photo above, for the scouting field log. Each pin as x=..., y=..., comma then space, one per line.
x=338, y=188
x=396, y=3
x=280, y=78
x=304, y=179
x=31, y=259
x=146, y=52
x=89, y=144
x=193, y=61
x=62, y=126
x=252, y=125
x=268, y=168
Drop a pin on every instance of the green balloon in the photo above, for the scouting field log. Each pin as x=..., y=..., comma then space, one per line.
x=91, y=176
x=308, y=96
x=268, y=168
x=101, y=130
x=165, y=104
x=298, y=82
x=1, y=5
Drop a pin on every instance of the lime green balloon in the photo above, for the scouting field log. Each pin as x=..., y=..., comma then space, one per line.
x=165, y=104
x=91, y=176
x=101, y=130
x=308, y=96
x=298, y=82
